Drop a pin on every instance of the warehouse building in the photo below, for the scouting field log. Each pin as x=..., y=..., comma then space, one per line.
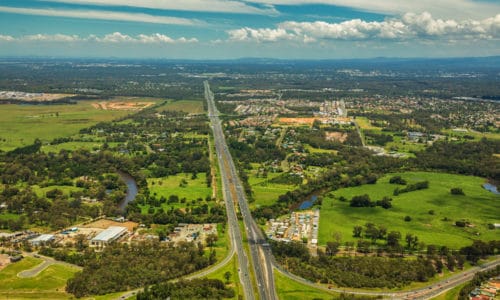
x=108, y=236
x=42, y=240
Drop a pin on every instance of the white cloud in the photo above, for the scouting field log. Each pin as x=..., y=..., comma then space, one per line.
x=51, y=38
x=7, y=38
x=457, y=9
x=112, y=38
x=224, y=6
x=101, y=15
x=259, y=35
x=409, y=26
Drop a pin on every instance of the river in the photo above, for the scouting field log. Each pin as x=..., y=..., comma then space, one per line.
x=131, y=189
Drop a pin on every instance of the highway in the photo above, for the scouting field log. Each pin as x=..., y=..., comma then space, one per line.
x=234, y=194
x=262, y=258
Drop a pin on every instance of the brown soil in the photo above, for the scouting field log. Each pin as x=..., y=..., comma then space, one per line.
x=104, y=223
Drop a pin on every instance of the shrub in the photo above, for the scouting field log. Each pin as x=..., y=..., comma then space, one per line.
x=457, y=191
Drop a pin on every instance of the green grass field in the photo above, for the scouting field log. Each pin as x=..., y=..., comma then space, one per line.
x=478, y=206
x=234, y=281
x=266, y=193
x=49, y=284
x=291, y=290
x=21, y=124
x=166, y=186
x=189, y=106
x=71, y=146
x=365, y=124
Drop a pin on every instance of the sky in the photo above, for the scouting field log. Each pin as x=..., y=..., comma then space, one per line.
x=230, y=29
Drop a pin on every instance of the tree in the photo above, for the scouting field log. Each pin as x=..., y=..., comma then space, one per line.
x=361, y=201
x=332, y=248
x=211, y=239
x=393, y=238
x=457, y=191
x=357, y=231
x=227, y=276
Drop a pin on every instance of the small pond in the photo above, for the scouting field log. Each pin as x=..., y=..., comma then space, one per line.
x=307, y=204
x=490, y=187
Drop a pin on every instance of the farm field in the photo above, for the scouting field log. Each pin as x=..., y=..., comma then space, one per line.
x=189, y=106
x=478, y=206
x=20, y=125
x=49, y=284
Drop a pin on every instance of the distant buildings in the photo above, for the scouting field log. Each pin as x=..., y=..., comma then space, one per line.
x=487, y=291
x=300, y=226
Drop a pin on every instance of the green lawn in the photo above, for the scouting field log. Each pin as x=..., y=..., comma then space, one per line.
x=478, y=206
x=290, y=290
x=21, y=124
x=188, y=106
x=49, y=284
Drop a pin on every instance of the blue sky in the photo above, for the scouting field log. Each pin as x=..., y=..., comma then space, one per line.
x=219, y=29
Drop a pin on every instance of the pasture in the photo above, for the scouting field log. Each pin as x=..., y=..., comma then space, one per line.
x=433, y=211
x=20, y=125
x=193, y=107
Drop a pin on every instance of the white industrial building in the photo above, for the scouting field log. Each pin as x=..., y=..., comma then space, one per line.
x=108, y=236
x=42, y=239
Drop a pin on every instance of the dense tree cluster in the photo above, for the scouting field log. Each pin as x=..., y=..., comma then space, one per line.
x=365, y=201
x=352, y=271
x=121, y=267
x=412, y=187
x=192, y=289
x=471, y=158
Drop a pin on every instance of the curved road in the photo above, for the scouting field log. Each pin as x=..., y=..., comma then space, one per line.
x=427, y=292
x=47, y=261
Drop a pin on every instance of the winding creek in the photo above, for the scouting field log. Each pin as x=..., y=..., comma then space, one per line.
x=131, y=189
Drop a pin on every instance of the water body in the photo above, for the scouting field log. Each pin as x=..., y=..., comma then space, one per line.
x=131, y=190
x=307, y=204
x=490, y=187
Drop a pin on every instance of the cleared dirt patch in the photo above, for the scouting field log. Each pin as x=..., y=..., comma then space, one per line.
x=104, y=224
x=4, y=260
x=336, y=136
x=122, y=105
x=299, y=121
